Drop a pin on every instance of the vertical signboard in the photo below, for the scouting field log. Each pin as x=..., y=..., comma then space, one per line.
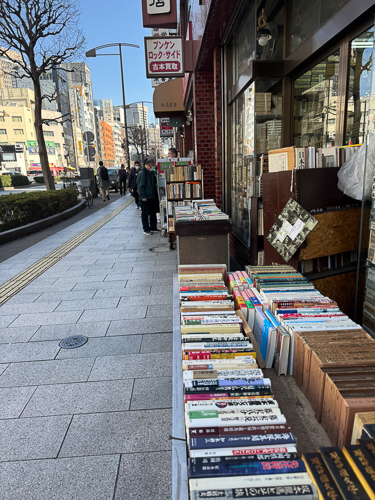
x=164, y=57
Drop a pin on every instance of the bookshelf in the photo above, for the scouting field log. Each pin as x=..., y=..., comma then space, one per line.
x=184, y=183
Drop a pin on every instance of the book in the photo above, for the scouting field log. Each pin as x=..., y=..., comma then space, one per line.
x=222, y=421
x=346, y=480
x=205, y=374
x=302, y=491
x=206, y=467
x=363, y=465
x=250, y=450
x=251, y=481
x=291, y=229
x=321, y=477
x=198, y=443
x=281, y=358
x=243, y=430
x=226, y=382
x=231, y=404
x=235, y=388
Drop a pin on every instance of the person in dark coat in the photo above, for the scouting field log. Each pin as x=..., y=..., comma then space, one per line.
x=122, y=175
x=147, y=191
x=133, y=183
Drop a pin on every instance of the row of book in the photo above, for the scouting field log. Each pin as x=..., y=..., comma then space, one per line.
x=239, y=443
x=190, y=189
x=309, y=157
x=198, y=211
x=185, y=173
x=327, y=262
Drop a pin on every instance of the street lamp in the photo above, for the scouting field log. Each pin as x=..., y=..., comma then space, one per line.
x=92, y=53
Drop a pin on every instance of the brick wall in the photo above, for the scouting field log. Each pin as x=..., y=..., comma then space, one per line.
x=207, y=127
x=204, y=128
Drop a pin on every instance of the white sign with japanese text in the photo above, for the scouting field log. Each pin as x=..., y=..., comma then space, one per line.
x=158, y=6
x=155, y=82
x=164, y=57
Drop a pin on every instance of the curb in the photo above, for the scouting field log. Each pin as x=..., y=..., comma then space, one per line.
x=34, y=227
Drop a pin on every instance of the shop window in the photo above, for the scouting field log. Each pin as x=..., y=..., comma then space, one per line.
x=270, y=30
x=255, y=129
x=359, y=92
x=315, y=104
x=309, y=16
x=243, y=44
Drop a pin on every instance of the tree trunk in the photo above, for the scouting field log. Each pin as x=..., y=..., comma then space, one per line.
x=48, y=178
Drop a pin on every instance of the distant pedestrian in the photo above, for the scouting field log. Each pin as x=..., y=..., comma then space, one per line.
x=122, y=175
x=103, y=180
x=133, y=183
x=172, y=153
x=147, y=191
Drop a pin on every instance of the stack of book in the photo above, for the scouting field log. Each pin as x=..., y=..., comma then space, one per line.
x=239, y=443
x=347, y=473
x=198, y=211
x=263, y=101
x=301, y=332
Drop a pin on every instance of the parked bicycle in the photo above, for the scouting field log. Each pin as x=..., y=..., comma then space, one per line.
x=86, y=193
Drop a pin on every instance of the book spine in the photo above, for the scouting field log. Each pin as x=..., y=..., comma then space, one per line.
x=246, y=420
x=241, y=441
x=229, y=389
x=226, y=382
x=302, y=491
x=233, y=452
x=243, y=430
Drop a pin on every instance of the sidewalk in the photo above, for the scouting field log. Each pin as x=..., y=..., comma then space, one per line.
x=92, y=422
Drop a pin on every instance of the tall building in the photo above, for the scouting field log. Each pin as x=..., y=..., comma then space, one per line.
x=154, y=141
x=118, y=114
x=17, y=128
x=54, y=85
x=117, y=131
x=136, y=114
x=105, y=105
x=108, y=150
x=7, y=81
x=98, y=113
x=79, y=77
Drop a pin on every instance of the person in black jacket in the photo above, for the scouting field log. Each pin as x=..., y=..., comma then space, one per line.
x=122, y=179
x=132, y=183
x=146, y=184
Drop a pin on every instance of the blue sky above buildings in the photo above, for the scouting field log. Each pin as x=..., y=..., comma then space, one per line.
x=111, y=21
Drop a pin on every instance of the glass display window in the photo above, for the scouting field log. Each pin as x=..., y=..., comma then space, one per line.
x=315, y=104
x=255, y=127
x=308, y=16
x=359, y=103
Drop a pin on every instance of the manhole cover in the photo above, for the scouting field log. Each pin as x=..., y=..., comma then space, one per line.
x=73, y=342
x=162, y=249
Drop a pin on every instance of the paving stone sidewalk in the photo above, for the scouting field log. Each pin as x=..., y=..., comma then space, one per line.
x=91, y=423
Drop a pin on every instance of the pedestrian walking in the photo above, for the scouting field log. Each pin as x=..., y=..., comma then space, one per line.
x=103, y=180
x=133, y=183
x=147, y=191
x=122, y=176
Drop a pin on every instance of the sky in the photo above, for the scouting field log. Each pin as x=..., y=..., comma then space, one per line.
x=115, y=21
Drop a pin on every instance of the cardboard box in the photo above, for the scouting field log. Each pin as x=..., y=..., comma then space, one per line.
x=349, y=407
x=360, y=420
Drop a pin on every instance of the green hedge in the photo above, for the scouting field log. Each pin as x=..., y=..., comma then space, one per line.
x=20, y=180
x=5, y=181
x=39, y=179
x=17, y=210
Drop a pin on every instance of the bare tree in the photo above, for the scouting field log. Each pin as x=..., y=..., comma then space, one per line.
x=137, y=138
x=46, y=33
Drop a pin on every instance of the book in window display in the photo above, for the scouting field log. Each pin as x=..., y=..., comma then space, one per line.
x=291, y=229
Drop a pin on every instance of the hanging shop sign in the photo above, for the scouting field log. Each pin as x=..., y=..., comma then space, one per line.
x=166, y=131
x=158, y=7
x=175, y=122
x=159, y=14
x=155, y=82
x=164, y=57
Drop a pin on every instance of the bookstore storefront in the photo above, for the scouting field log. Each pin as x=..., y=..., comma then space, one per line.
x=298, y=74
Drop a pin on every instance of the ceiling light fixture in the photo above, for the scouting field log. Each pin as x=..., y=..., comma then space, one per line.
x=263, y=33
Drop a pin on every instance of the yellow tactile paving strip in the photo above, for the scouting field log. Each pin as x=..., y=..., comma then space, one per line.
x=15, y=284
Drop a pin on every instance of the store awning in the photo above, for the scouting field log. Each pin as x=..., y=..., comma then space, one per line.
x=169, y=99
x=57, y=168
x=35, y=168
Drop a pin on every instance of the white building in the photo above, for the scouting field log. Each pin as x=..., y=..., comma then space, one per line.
x=136, y=114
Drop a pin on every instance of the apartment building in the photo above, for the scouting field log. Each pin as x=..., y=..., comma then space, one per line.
x=107, y=145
